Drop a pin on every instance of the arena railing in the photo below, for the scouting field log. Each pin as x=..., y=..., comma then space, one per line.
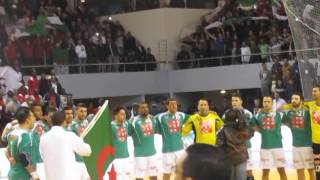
x=166, y=65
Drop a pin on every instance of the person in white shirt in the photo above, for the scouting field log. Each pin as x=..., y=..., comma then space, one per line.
x=57, y=149
x=82, y=56
x=278, y=102
x=245, y=53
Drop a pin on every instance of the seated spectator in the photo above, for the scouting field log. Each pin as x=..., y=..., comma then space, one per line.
x=182, y=56
x=203, y=162
x=150, y=60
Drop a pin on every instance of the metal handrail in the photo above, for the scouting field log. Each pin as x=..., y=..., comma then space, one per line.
x=169, y=62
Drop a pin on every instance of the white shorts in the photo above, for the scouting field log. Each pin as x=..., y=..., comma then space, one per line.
x=41, y=171
x=169, y=161
x=303, y=157
x=146, y=166
x=123, y=167
x=250, y=160
x=83, y=172
x=272, y=158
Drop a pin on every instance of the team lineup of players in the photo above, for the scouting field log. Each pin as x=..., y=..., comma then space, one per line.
x=303, y=118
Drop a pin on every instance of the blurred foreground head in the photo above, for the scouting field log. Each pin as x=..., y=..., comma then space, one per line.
x=203, y=162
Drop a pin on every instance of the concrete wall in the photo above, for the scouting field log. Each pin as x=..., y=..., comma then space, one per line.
x=165, y=24
x=161, y=82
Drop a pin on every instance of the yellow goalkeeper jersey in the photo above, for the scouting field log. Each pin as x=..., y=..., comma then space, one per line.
x=314, y=111
x=204, y=127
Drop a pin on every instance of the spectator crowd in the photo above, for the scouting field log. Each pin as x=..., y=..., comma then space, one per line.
x=82, y=38
x=45, y=91
x=238, y=35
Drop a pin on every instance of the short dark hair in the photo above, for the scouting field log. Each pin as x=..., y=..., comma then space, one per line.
x=317, y=86
x=22, y=114
x=52, y=109
x=298, y=94
x=231, y=115
x=267, y=96
x=81, y=105
x=203, y=99
x=236, y=95
x=170, y=99
x=67, y=108
x=142, y=103
x=35, y=105
x=118, y=109
x=58, y=118
x=236, y=118
x=206, y=162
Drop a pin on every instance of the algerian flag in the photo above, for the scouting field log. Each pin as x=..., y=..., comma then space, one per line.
x=36, y=29
x=98, y=136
